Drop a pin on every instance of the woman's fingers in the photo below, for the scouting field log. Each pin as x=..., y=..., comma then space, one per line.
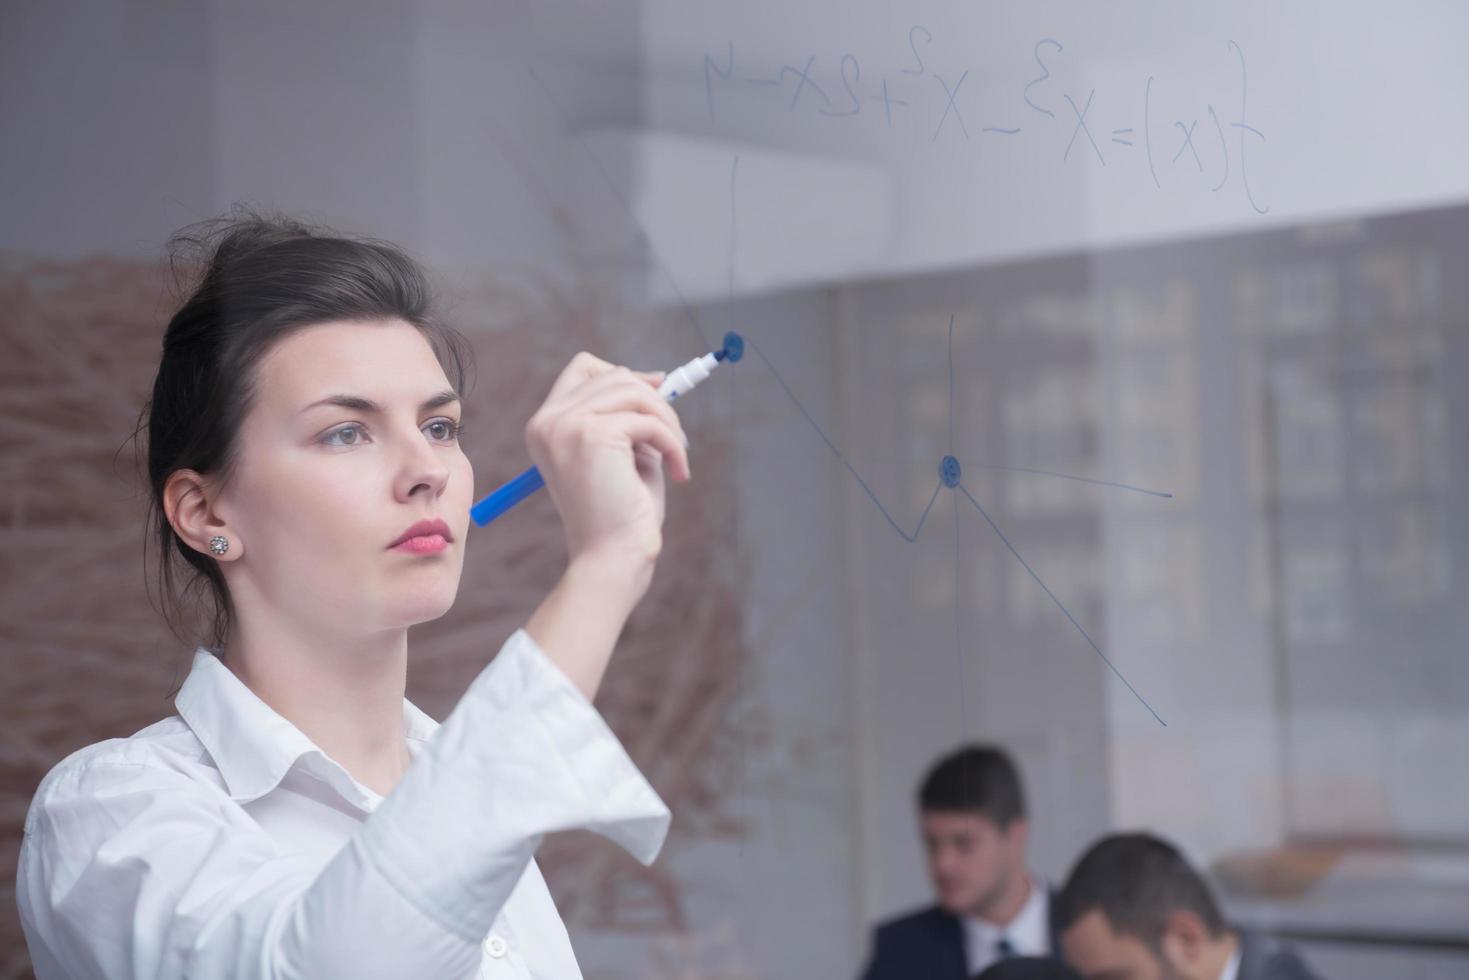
x=586, y=369
x=579, y=370
x=644, y=430
x=592, y=394
x=624, y=394
x=589, y=386
x=598, y=418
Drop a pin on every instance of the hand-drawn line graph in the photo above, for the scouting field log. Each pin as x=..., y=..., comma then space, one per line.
x=950, y=470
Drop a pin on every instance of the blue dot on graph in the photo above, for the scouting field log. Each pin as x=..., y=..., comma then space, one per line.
x=734, y=347
x=950, y=471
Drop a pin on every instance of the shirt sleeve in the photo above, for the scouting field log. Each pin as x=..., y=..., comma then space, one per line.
x=133, y=869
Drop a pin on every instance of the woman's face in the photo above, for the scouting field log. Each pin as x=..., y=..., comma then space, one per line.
x=323, y=489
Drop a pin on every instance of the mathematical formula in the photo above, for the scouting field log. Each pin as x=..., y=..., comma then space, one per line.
x=838, y=91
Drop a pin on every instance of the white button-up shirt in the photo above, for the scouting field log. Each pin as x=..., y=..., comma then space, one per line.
x=221, y=842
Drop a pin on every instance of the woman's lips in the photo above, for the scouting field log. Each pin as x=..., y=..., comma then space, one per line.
x=425, y=544
x=425, y=529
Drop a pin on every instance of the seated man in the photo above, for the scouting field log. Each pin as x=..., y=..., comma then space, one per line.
x=972, y=817
x=1133, y=909
x=1028, y=968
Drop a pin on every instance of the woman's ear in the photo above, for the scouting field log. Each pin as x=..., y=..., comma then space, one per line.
x=189, y=505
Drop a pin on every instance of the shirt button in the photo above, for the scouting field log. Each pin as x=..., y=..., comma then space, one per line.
x=495, y=946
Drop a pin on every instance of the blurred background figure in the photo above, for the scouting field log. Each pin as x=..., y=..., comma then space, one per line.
x=971, y=813
x=1028, y=968
x=1133, y=909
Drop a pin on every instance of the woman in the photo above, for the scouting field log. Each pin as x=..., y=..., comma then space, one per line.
x=298, y=817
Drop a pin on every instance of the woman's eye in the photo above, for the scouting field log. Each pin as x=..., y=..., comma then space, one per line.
x=345, y=430
x=447, y=430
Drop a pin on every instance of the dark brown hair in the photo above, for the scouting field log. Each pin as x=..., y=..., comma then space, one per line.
x=255, y=279
x=975, y=779
x=1137, y=881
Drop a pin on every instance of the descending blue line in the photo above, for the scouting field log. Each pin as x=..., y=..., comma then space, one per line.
x=617, y=193
x=1068, y=476
x=1060, y=605
x=750, y=343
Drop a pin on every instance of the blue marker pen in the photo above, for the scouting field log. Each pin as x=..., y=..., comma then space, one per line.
x=678, y=382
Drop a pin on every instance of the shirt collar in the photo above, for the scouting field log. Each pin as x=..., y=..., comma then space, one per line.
x=1032, y=927
x=1028, y=932
x=1231, y=969
x=252, y=745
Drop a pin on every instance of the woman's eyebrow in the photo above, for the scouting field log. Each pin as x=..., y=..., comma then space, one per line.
x=360, y=404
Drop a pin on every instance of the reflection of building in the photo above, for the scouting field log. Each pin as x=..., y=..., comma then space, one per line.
x=1291, y=611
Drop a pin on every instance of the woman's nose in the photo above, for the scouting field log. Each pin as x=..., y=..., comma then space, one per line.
x=423, y=470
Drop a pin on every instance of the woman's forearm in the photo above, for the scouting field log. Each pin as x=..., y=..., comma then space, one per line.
x=578, y=623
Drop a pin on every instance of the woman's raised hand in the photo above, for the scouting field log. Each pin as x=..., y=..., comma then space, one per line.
x=600, y=440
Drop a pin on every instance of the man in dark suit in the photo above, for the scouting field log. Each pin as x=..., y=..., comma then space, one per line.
x=1133, y=908
x=1029, y=968
x=971, y=813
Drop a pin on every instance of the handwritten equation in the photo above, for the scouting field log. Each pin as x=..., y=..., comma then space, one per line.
x=838, y=91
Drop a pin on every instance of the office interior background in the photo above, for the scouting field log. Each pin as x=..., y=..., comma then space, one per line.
x=1180, y=289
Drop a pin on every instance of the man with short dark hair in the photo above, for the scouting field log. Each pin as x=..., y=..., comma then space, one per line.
x=972, y=817
x=1133, y=909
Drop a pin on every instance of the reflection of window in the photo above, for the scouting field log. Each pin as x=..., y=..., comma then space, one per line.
x=1405, y=556
x=1051, y=416
x=1157, y=432
x=1162, y=568
x=1357, y=495
x=1301, y=299
x=1388, y=439
x=1308, y=435
x=1297, y=399
x=1315, y=585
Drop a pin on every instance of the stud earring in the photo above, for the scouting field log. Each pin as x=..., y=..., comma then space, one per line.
x=219, y=544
